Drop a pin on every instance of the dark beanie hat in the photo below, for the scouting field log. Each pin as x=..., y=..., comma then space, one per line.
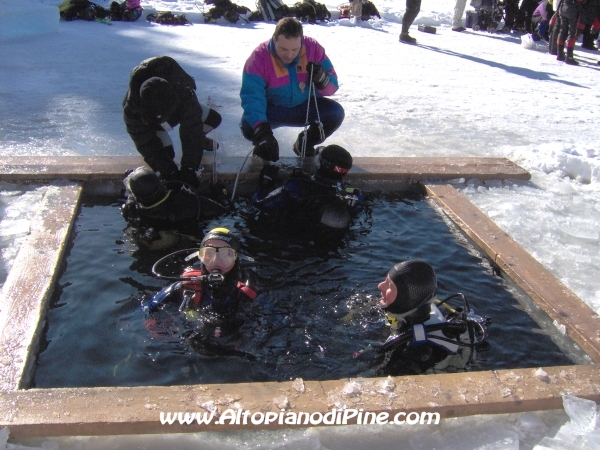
x=146, y=186
x=417, y=285
x=158, y=96
x=334, y=162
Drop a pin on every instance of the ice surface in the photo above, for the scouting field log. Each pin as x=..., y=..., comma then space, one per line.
x=427, y=441
x=549, y=443
x=4, y=433
x=18, y=205
x=530, y=423
x=489, y=436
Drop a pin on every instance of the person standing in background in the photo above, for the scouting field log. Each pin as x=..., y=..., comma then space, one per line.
x=412, y=10
x=459, y=9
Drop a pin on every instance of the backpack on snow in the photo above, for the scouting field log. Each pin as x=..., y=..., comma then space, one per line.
x=82, y=9
x=369, y=10
x=168, y=18
x=310, y=11
x=272, y=9
x=226, y=9
x=127, y=11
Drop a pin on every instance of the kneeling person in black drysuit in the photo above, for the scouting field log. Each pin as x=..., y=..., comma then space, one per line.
x=162, y=95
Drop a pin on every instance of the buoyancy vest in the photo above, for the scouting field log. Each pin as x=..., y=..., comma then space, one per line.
x=195, y=289
x=420, y=334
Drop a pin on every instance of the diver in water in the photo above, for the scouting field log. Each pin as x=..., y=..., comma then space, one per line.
x=155, y=208
x=322, y=198
x=213, y=295
x=423, y=339
x=216, y=282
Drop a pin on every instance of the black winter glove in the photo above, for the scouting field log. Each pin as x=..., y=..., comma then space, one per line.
x=208, y=144
x=269, y=175
x=129, y=211
x=319, y=75
x=265, y=144
x=173, y=175
x=188, y=176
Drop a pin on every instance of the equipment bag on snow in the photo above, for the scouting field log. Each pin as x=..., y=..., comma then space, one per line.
x=369, y=10
x=272, y=9
x=310, y=11
x=127, y=11
x=168, y=18
x=226, y=9
x=82, y=9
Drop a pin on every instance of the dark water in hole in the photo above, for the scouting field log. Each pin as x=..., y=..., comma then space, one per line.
x=96, y=335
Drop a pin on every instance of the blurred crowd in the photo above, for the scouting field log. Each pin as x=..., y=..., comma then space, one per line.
x=561, y=23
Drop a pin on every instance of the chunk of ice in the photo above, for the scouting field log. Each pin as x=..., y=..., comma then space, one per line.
x=281, y=402
x=351, y=389
x=583, y=414
x=530, y=423
x=298, y=384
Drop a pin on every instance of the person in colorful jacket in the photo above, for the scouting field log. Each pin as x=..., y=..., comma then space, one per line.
x=276, y=91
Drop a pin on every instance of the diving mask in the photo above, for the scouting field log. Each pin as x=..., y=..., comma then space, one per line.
x=217, y=257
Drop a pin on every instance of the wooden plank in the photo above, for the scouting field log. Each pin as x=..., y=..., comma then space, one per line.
x=440, y=168
x=30, y=283
x=136, y=410
x=582, y=324
x=87, y=168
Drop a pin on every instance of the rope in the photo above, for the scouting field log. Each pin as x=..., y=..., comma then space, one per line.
x=237, y=177
x=312, y=92
x=214, y=166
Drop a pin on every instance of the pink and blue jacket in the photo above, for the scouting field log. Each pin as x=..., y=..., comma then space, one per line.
x=267, y=80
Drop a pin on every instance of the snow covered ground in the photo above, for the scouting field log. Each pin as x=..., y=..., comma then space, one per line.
x=453, y=94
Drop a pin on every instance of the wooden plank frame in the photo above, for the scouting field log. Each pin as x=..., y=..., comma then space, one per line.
x=136, y=410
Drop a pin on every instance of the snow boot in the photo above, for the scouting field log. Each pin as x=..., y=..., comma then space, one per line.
x=297, y=147
x=405, y=37
x=313, y=137
x=587, y=40
x=560, y=53
x=569, y=60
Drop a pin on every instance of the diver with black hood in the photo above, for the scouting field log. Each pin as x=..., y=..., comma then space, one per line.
x=322, y=198
x=156, y=210
x=422, y=338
